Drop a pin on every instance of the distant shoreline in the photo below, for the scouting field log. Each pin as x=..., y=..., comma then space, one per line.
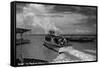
x=67, y=34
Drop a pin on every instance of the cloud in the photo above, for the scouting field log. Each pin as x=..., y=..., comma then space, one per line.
x=35, y=11
x=42, y=17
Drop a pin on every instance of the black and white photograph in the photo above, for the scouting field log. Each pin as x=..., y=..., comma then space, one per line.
x=54, y=33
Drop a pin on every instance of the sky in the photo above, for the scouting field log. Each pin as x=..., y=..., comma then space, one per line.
x=62, y=18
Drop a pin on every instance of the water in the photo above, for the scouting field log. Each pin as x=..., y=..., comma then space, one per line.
x=36, y=50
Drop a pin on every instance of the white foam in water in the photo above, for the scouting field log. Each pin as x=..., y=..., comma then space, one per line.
x=81, y=55
x=61, y=57
x=92, y=51
x=76, y=53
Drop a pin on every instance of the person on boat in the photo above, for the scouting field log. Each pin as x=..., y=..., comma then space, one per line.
x=60, y=39
x=55, y=37
x=49, y=37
